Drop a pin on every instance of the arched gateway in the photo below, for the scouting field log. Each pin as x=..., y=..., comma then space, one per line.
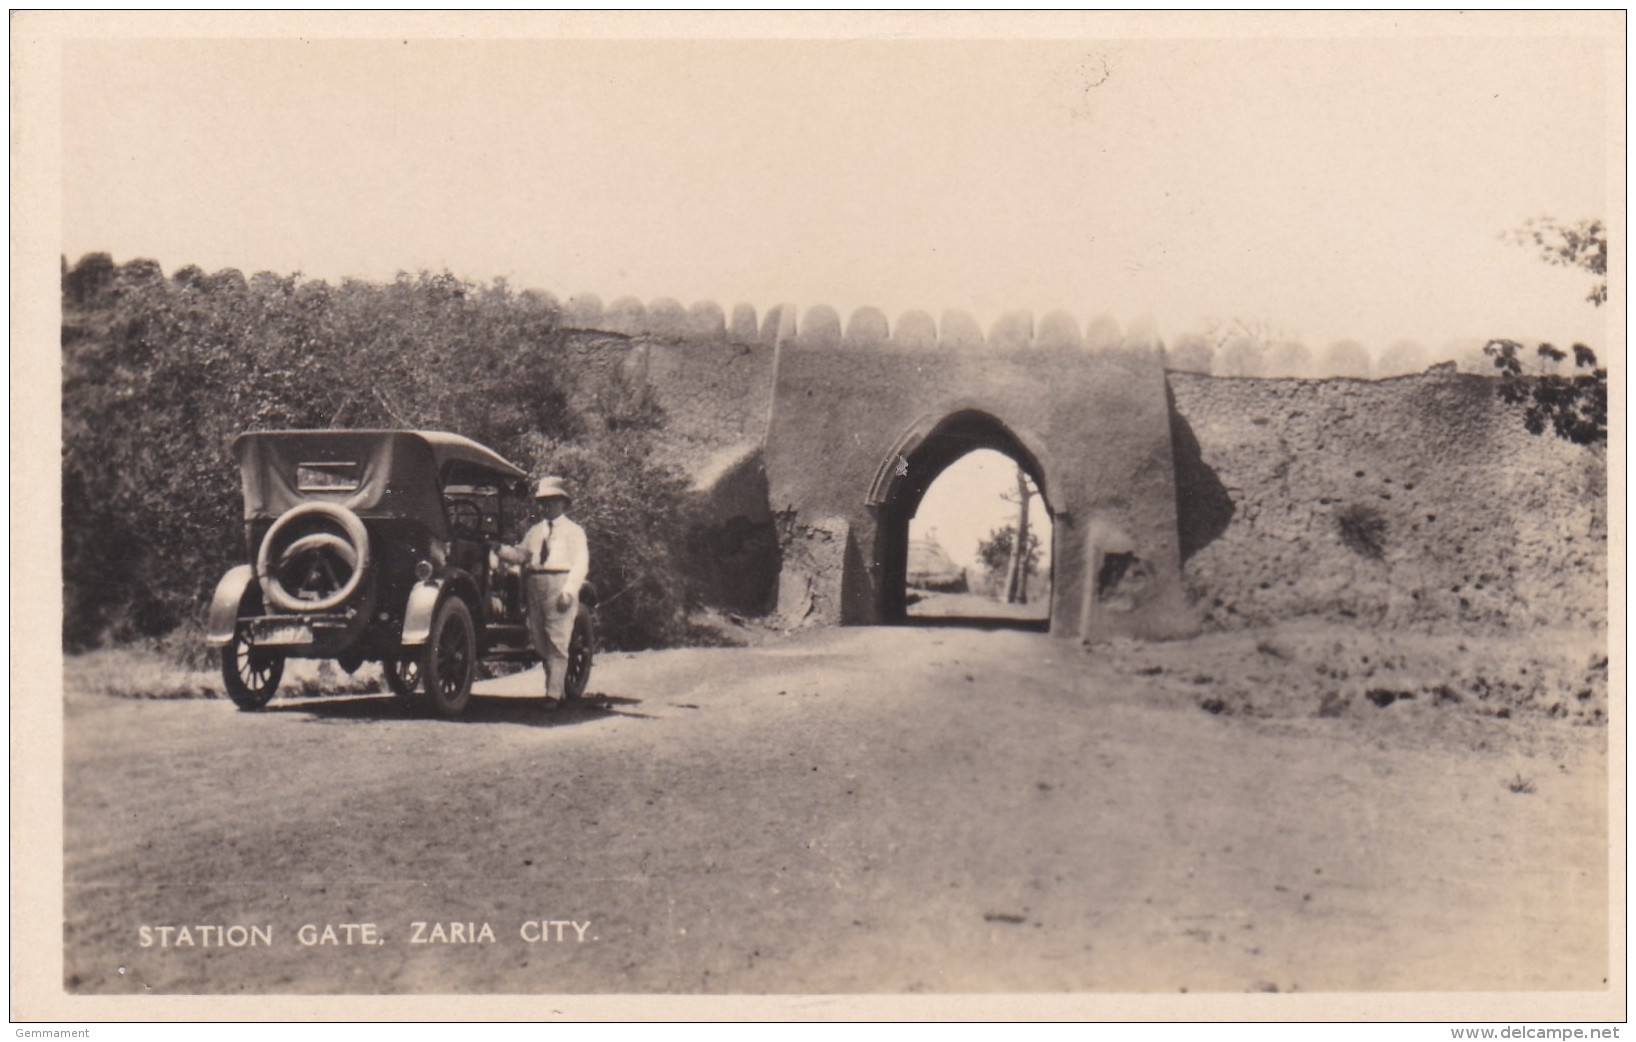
x=919, y=457
x=861, y=424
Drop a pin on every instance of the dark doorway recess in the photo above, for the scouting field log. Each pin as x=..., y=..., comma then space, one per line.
x=920, y=459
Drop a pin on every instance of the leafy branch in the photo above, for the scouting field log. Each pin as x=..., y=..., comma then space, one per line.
x=1575, y=407
x=1581, y=245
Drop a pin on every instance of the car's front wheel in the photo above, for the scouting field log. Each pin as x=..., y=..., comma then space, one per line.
x=449, y=663
x=250, y=674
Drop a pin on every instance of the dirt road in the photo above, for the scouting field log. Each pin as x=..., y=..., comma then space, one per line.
x=868, y=810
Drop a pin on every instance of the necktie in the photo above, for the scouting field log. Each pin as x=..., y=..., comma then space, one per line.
x=545, y=545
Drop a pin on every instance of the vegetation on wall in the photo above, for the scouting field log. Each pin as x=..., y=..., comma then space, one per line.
x=1363, y=530
x=1574, y=405
x=159, y=374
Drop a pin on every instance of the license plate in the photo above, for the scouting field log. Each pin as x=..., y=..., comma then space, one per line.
x=278, y=632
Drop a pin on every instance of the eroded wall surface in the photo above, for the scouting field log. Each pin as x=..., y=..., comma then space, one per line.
x=1418, y=500
x=713, y=382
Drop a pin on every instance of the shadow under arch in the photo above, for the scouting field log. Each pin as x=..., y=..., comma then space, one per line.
x=917, y=458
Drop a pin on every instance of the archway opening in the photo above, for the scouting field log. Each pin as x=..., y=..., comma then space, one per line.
x=952, y=508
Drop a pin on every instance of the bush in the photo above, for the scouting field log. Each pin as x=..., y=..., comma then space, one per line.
x=632, y=513
x=1363, y=530
x=1575, y=407
x=160, y=374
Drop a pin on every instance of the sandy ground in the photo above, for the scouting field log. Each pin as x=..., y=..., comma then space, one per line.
x=862, y=810
x=931, y=605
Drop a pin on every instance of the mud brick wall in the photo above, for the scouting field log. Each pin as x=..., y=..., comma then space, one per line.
x=1178, y=499
x=1419, y=500
x=712, y=381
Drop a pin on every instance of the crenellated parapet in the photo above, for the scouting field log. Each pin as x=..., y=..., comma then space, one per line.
x=666, y=318
x=867, y=328
x=822, y=326
x=959, y=331
x=1014, y=331
x=915, y=329
x=742, y=328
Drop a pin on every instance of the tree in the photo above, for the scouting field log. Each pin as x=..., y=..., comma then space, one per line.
x=1583, y=245
x=996, y=551
x=1574, y=405
x=1012, y=550
x=1017, y=571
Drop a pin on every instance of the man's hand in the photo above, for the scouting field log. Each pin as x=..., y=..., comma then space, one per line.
x=565, y=600
x=510, y=554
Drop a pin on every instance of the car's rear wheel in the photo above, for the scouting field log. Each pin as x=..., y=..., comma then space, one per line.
x=449, y=663
x=249, y=673
x=403, y=675
x=581, y=649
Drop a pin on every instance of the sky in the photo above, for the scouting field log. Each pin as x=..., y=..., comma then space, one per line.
x=965, y=506
x=1332, y=188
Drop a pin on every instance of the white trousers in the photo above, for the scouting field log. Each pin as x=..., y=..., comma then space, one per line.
x=549, y=628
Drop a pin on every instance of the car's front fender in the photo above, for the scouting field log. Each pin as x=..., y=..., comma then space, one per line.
x=226, y=602
x=417, y=614
x=423, y=598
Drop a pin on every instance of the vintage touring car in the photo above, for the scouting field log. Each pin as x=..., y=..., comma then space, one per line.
x=379, y=546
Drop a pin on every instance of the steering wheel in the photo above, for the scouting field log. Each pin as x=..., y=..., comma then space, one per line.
x=465, y=518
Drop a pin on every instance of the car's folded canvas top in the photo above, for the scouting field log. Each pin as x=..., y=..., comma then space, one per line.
x=375, y=474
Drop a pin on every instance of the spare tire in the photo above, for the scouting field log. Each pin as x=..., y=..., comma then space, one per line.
x=313, y=558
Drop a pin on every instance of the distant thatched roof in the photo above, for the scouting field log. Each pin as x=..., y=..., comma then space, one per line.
x=931, y=568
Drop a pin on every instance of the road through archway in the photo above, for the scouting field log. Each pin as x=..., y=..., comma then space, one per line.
x=922, y=456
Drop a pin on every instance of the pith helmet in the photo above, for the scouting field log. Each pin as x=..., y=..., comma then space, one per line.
x=551, y=488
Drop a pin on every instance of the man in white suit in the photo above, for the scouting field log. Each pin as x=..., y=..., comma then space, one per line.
x=555, y=560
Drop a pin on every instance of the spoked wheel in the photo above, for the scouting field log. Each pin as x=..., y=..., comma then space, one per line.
x=402, y=675
x=250, y=674
x=314, y=558
x=581, y=648
x=449, y=663
x=465, y=518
